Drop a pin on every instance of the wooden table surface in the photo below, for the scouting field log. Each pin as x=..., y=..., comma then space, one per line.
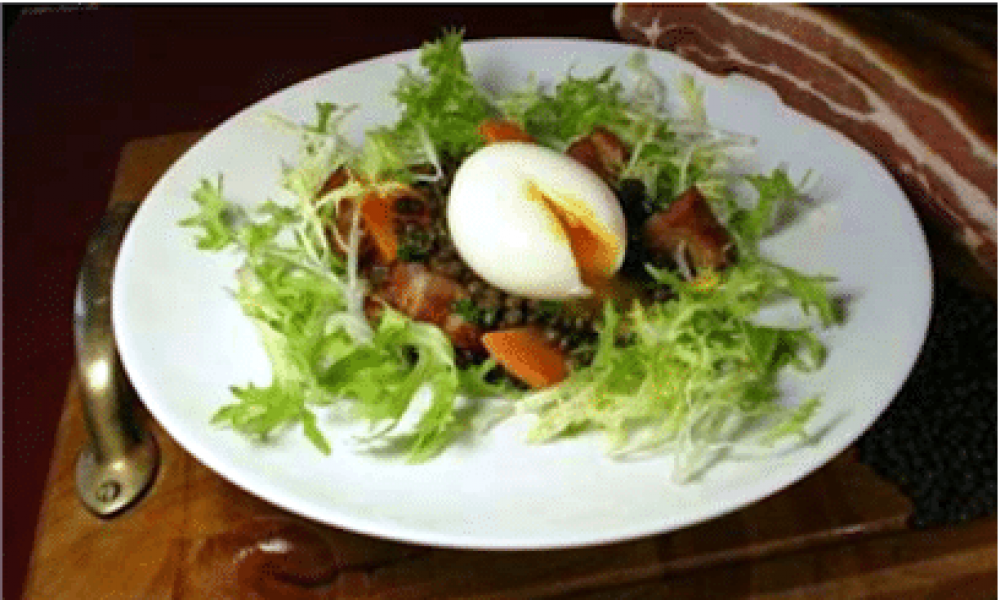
x=89, y=91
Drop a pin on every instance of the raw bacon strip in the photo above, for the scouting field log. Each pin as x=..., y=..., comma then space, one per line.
x=899, y=82
x=688, y=225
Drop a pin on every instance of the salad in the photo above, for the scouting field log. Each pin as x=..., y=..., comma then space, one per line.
x=389, y=284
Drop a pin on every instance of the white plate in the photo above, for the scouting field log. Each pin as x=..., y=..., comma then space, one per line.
x=184, y=341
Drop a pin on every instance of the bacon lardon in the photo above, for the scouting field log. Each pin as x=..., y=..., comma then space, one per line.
x=602, y=151
x=423, y=295
x=688, y=227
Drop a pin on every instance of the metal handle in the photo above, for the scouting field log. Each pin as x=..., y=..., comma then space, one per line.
x=120, y=461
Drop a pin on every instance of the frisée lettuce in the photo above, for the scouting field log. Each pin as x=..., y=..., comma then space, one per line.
x=691, y=374
x=696, y=371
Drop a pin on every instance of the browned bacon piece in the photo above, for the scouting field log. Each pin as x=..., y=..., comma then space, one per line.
x=602, y=152
x=423, y=295
x=410, y=288
x=688, y=225
x=915, y=86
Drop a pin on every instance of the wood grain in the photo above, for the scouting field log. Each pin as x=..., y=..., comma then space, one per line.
x=839, y=533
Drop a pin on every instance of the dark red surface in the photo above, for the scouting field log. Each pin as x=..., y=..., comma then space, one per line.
x=79, y=82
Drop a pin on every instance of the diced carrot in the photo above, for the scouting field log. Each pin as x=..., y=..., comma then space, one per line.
x=525, y=353
x=500, y=130
x=377, y=217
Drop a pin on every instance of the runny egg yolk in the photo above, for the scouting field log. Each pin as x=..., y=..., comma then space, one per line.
x=594, y=247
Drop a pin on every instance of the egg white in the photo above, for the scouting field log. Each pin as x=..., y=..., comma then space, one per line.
x=516, y=242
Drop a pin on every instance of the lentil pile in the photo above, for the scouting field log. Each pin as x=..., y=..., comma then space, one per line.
x=938, y=439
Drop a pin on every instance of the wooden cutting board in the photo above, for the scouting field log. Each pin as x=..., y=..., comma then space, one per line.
x=841, y=532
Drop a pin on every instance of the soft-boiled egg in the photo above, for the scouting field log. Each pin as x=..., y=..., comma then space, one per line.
x=534, y=222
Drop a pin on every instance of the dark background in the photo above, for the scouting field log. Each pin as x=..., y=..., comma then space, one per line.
x=80, y=81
